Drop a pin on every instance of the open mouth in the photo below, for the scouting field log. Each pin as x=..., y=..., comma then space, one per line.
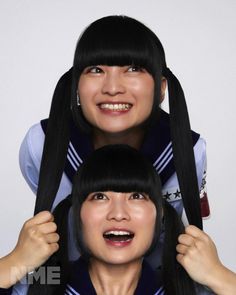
x=115, y=107
x=118, y=236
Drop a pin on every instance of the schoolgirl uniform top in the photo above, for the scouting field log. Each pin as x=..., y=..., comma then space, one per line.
x=80, y=283
x=157, y=147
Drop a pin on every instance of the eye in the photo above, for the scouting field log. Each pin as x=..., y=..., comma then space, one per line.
x=138, y=196
x=98, y=196
x=135, y=69
x=94, y=70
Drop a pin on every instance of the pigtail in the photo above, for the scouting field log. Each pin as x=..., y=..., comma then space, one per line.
x=51, y=169
x=183, y=151
x=61, y=217
x=175, y=278
x=60, y=258
x=55, y=145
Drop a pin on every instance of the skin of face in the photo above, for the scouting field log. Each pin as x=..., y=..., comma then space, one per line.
x=105, y=211
x=115, y=99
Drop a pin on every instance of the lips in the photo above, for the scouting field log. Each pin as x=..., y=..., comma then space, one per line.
x=118, y=237
x=115, y=107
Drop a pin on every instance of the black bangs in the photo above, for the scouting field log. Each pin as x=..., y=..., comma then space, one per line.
x=117, y=40
x=117, y=168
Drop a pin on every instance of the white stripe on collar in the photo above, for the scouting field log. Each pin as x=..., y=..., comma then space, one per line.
x=164, y=159
x=75, y=153
x=160, y=291
x=70, y=291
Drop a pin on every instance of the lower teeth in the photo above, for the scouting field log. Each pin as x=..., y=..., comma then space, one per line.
x=119, y=239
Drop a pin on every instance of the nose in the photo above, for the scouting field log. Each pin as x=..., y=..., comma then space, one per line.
x=118, y=211
x=113, y=82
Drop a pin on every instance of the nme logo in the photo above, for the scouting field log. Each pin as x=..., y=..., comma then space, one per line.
x=49, y=275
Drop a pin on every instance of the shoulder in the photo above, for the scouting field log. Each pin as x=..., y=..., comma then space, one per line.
x=200, y=159
x=30, y=155
x=35, y=134
x=32, y=144
x=200, y=149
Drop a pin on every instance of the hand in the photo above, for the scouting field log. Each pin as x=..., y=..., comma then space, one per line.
x=37, y=241
x=198, y=255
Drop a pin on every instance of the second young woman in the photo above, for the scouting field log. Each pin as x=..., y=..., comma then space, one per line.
x=118, y=212
x=112, y=95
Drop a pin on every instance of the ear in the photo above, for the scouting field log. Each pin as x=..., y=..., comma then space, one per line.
x=163, y=88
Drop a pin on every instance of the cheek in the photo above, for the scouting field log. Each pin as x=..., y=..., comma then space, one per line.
x=149, y=94
x=146, y=217
x=84, y=91
x=87, y=89
x=145, y=93
x=92, y=220
x=149, y=227
x=87, y=219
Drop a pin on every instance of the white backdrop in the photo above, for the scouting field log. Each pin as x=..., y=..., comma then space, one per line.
x=37, y=44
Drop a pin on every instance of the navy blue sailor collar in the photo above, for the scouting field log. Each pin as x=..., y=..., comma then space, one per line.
x=80, y=283
x=157, y=147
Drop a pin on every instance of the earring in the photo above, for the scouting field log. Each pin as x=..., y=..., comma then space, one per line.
x=78, y=101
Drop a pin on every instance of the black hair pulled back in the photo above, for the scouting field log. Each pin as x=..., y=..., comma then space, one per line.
x=118, y=40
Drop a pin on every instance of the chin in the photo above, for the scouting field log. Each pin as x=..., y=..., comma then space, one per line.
x=119, y=261
x=122, y=258
x=109, y=128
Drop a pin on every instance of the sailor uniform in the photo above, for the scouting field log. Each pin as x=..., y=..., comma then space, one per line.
x=80, y=283
x=157, y=147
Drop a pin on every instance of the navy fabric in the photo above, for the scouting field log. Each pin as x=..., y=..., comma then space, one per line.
x=157, y=145
x=149, y=282
x=5, y=291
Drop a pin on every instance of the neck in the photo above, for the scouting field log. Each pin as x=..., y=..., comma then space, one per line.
x=133, y=138
x=110, y=279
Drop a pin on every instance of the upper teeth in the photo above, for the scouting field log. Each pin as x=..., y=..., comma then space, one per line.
x=116, y=106
x=117, y=233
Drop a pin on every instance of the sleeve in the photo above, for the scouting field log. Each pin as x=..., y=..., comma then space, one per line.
x=30, y=155
x=201, y=166
x=30, y=158
x=171, y=188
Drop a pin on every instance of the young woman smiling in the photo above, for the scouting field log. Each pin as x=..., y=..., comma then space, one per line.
x=111, y=95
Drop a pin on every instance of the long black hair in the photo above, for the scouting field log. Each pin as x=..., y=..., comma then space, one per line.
x=118, y=40
x=120, y=168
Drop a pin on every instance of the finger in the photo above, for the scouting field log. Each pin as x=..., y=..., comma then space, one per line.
x=47, y=228
x=199, y=235
x=182, y=249
x=41, y=217
x=179, y=258
x=195, y=232
x=52, y=238
x=53, y=248
x=186, y=240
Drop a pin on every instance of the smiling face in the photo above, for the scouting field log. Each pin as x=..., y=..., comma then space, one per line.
x=118, y=228
x=114, y=98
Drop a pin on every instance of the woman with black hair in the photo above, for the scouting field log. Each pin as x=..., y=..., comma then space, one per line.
x=112, y=95
x=118, y=212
